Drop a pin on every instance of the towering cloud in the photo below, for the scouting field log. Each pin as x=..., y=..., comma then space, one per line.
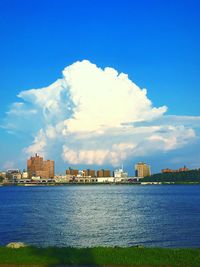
x=93, y=115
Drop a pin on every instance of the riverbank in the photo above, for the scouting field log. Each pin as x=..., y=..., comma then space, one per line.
x=100, y=256
x=87, y=184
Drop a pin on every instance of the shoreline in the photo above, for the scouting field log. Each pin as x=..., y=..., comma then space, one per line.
x=100, y=184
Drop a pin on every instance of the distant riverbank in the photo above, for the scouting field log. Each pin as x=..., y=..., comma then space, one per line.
x=100, y=256
x=101, y=184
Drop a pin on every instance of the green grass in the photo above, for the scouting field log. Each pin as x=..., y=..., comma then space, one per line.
x=132, y=256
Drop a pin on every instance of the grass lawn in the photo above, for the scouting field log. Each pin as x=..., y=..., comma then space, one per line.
x=132, y=256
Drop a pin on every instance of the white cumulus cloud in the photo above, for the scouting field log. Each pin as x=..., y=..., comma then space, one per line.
x=96, y=116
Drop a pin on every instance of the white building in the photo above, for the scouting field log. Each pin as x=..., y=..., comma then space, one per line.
x=24, y=175
x=62, y=178
x=120, y=175
x=105, y=179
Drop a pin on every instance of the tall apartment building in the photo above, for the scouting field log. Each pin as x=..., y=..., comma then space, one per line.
x=142, y=170
x=36, y=166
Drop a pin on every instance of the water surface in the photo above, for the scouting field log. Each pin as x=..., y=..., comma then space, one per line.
x=101, y=215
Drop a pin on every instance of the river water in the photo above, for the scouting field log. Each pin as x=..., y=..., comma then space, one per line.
x=101, y=215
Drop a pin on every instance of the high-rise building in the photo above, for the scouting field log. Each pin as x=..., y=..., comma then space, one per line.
x=36, y=166
x=142, y=170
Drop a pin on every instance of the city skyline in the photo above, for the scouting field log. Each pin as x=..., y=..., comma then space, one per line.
x=37, y=166
x=96, y=112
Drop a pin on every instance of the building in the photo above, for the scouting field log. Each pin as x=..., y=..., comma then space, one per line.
x=184, y=169
x=106, y=173
x=105, y=179
x=167, y=170
x=62, y=178
x=36, y=166
x=103, y=173
x=100, y=173
x=24, y=174
x=119, y=173
x=71, y=172
x=3, y=174
x=142, y=170
x=13, y=174
x=89, y=173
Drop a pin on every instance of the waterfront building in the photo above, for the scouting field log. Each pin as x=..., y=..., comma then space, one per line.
x=71, y=172
x=2, y=175
x=89, y=173
x=84, y=173
x=142, y=170
x=120, y=175
x=24, y=174
x=62, y=178
x=13, y=174
x=103, y=173
x=105, y=179
x=100, y=173
x=106, y=173
x=37, y=166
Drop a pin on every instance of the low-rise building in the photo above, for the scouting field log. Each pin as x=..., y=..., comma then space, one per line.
x=13, y=175
x=24, y=175
x=119, y=173
x=167, y=170
x=105, y=179
x=62, y=178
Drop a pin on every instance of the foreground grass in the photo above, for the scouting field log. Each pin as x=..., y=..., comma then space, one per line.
x=132, y=256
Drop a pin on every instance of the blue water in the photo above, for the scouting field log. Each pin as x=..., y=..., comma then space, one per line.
x=102, y=215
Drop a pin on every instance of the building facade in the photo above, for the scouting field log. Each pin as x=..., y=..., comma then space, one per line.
x=72, y=172
x=103, y=173
x=37, y=166
x=184, y=169
x=142, y=170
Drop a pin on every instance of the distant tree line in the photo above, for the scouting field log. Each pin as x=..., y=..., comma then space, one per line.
x=185, y=176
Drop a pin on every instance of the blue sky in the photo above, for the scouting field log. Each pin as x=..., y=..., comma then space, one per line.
x=155, y=42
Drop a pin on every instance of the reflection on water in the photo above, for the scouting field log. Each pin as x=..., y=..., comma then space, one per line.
x=167, y=216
